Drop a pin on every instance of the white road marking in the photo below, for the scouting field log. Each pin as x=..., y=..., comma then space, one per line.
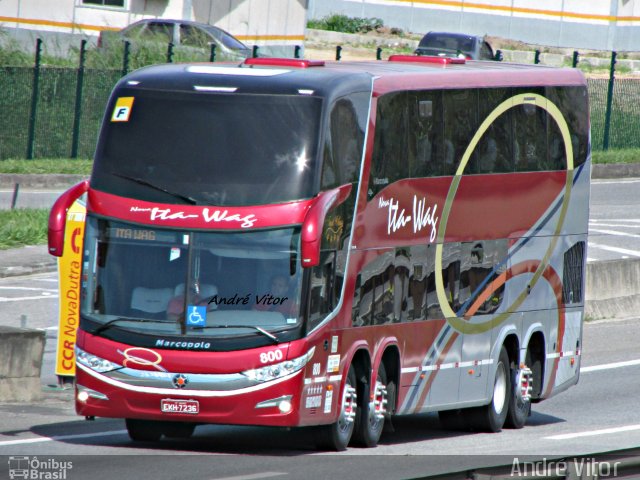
x=19, y=299
x=602, y=181
x=625, y=251
x=609, y=366
x=593, y=433
x=631, y=220
x=30, y=192
x=254, y=476
x=61, y=437
x=615, y=233
x=53, y=290
x=614, y=225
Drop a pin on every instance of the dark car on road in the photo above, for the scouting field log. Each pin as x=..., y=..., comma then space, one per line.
x=447, y=44
x=182, y=34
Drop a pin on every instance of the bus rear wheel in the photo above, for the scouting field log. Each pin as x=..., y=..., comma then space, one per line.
x=372, y=414
x=143, y=430
x=491, y=418
x=520, y=398
x=338, y=435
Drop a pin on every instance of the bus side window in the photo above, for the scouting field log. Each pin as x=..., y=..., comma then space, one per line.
x=573, y=104
x=530, y=138
x=327, y=277
x=557, y=158
x=494, y=149
x=426, y=135
x=344, y=142
x=322, y=288
x=389, y=161
x=460, y=124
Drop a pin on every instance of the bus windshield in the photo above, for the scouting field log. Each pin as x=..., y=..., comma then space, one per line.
x=225, y=149
x=193, y=284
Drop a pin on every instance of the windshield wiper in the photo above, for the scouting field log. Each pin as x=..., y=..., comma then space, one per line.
x=269, y=335
x=108, y=324
x=146, y=183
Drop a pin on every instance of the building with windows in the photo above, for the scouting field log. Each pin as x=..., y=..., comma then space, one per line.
x=273, y=24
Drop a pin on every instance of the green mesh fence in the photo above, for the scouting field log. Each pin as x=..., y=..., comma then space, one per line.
x=96, y=90
x=56, y=103
x=625, y=114
x=54, y=113
x=55, y=108
x=598, y=107
x=15, y=101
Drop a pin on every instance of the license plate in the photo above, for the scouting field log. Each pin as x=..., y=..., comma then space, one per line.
x=169, y=405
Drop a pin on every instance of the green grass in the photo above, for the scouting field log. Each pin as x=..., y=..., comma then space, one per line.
x=23, y=226
x=47, y=165
x=630, y=155
x=342, y=23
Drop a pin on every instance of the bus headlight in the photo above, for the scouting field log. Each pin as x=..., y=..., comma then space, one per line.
x=279, y=370
x=94, y=362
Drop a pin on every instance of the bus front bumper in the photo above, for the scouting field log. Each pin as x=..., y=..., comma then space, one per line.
x=274, y=403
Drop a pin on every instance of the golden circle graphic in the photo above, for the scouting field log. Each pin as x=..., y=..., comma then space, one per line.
x=460, y=324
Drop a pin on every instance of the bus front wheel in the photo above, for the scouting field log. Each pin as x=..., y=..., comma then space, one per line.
x=338, y=435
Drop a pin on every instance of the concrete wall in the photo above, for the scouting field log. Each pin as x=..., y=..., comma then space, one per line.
x=613, y=289
x=580, y=24
x=21, y=353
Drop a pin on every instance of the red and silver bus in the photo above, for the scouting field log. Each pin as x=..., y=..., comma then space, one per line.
x=300, y=243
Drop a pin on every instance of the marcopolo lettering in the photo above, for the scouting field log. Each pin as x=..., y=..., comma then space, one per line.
x=181, y=344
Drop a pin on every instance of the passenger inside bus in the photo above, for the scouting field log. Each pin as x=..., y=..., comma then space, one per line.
x=279, y=297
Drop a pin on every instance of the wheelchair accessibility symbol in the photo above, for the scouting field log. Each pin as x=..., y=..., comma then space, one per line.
x=197, y=316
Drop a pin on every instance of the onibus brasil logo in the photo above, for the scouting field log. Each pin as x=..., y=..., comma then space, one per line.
x=38, y=469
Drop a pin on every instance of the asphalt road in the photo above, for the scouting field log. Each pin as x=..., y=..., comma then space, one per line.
x=614, y=220
x=28, y=198
x=599, y=414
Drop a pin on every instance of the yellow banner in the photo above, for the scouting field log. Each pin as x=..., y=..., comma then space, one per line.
x=69, y=267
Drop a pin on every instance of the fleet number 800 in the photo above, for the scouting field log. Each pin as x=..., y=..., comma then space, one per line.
x=272, y=356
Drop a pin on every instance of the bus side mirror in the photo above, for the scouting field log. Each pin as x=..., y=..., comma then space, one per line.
x=311, y=236
x=58, y=217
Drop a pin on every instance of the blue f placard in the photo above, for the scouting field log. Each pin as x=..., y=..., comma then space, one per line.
x=196, y=316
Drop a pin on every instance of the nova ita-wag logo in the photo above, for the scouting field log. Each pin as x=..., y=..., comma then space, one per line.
x=38, y=469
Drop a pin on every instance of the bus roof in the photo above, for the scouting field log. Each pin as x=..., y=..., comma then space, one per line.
x=326, y=78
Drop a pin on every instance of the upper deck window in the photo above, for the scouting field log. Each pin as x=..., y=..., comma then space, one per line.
x=213, y=149
x=426, y=133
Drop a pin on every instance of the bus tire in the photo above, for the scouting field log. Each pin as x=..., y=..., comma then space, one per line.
x=143, y=430
x=519, y=409
x=178, y=429
x=491, y=418
x=372, y=415
x=337, y=436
